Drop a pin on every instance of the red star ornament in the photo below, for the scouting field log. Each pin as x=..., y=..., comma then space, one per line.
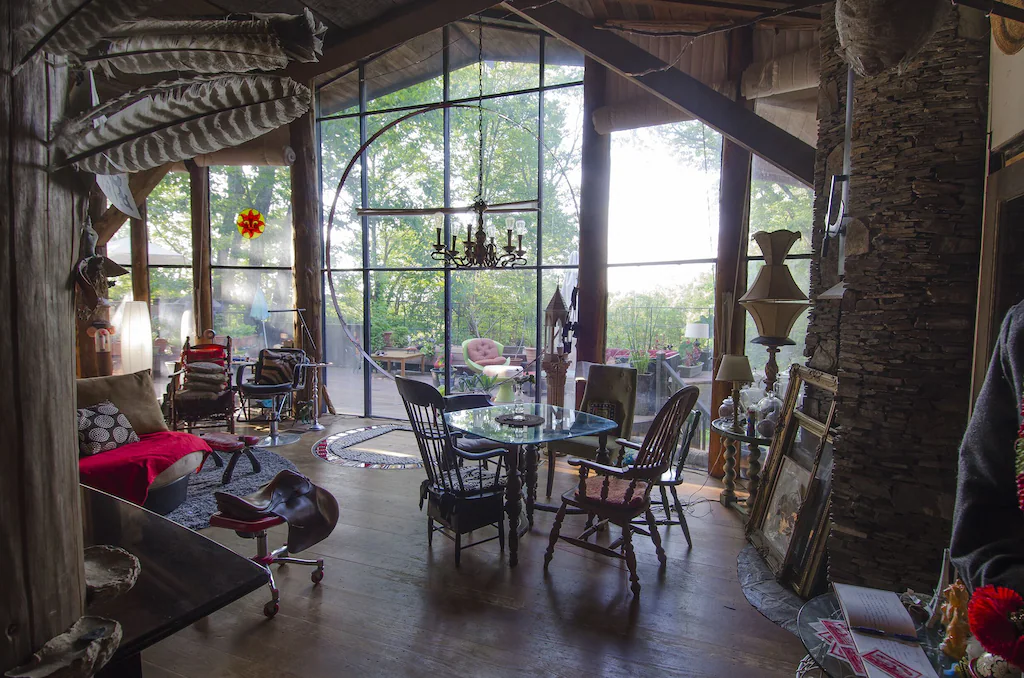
x=251, y=224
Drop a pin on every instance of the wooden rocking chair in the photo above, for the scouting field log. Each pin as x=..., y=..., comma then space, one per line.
x=619, y=495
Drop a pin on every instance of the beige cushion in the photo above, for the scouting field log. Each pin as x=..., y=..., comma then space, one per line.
x=484, y=352
x=132, y=394
x=179, y=469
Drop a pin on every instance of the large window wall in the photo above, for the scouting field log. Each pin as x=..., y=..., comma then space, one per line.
x=389, y=291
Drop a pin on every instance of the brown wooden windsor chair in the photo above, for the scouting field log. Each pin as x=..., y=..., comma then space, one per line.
x=620, y=495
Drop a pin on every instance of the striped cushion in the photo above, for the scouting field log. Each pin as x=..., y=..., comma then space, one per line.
x=278, y=367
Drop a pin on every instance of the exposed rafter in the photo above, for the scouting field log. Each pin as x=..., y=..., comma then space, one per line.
x=141, y=185
x=395, y=27
x=675, y=87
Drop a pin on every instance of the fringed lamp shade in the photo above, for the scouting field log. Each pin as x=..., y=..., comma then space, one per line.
x=774, y=300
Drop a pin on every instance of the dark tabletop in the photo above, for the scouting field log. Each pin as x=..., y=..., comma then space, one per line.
x=185, y=576
x=560, y=423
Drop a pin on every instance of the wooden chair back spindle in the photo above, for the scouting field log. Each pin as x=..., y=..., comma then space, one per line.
x=661, y=440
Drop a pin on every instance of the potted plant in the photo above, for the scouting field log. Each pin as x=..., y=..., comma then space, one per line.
x=437, y=371
x=693, y=363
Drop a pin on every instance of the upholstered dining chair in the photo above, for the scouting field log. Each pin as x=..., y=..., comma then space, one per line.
x=461, y=491
x=620, y=495
x=279, y=372
x=610, y=393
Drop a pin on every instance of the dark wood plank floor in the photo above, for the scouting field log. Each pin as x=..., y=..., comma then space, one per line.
x=388, y=606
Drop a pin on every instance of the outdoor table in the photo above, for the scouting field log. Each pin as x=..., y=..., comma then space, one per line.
x=559, y=423
x=400, y=356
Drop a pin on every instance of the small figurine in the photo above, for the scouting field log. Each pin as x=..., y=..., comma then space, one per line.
x=954, y=618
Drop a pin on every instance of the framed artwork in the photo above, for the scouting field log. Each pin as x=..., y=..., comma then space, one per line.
x=789, y=519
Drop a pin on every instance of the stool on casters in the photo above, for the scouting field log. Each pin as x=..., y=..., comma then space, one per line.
x=257, y=529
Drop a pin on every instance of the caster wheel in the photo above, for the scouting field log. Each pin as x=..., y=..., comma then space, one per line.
x=317, y=576
x=270, y=609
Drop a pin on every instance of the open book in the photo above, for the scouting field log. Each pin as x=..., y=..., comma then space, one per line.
x=883, y=656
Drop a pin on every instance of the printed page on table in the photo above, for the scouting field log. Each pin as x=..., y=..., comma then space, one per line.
x=883, y=657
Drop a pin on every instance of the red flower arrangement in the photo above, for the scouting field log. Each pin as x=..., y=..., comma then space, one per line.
x=996, y=617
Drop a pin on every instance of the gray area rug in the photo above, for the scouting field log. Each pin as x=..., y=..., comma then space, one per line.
x=767, y=595
x=197, y=508
x=337, y=449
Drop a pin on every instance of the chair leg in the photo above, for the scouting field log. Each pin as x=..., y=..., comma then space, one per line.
x=226, y=478
x=217, y=461
x=551, y=469
x=256, y=468
x=553, y=539
x=682, y=517
x=430, y=532
x=664, y=503
x=652, y=524
x=501, y=534
x=627, y=547
x=458, y=541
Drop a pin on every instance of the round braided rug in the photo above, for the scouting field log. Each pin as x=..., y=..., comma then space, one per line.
x=337, y=449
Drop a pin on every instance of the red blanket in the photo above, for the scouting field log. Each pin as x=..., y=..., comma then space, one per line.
x=128, y=471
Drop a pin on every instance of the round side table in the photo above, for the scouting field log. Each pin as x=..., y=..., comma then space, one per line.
x=724, y=427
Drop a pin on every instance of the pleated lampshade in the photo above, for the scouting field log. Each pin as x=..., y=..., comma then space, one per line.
x=136, y=338
x=774, y=300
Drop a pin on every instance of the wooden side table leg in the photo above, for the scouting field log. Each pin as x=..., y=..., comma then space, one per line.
x=728, y=495
x=754, y=473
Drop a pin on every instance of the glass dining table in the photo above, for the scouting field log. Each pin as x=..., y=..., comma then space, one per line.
x=523, y=443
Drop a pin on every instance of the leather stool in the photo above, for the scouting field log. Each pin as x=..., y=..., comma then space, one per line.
x=232, y=444
x=257, y=529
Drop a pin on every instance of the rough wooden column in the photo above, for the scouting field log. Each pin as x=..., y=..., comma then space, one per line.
x=309, y=287
x=43, y=589
x=594, y=190
x=202, y=294
x=730, y=277
x=733, y=236
x=140, y=255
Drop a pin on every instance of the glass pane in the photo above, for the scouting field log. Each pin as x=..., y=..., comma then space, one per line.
x=563, y=128
x=510, y=151
x=406, y=163
x=562, y=62
x=339, y=142
x=510, y=60
x=664, y=194
x=170, y=306
x=237, y=308
x=266, y=189
x=402, y=242
x=651, y=310
x=406, y=325
x=340, y=96
x=342, y=342
x=788, y=355
x=494, y=304
x=407, y=75
x=779, y=202
x=169, y=212
x=565, y=280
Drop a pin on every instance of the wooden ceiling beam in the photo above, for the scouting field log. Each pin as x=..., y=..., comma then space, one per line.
x=393, y=28
x=675, y=87
x=724, y=6
x=141, y=185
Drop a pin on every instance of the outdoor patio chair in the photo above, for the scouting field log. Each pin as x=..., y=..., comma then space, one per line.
x=461, y=492
x=479, y=353
x=620, y=495
x=611, y=393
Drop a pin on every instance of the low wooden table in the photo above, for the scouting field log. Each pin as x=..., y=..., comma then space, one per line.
x=400, y=356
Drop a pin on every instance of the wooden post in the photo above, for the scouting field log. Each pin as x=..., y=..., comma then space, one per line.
x=730, y=276
x=202, y=296
x=140, y=255
x=43, y=589
x=309, y=284
x=594, y=191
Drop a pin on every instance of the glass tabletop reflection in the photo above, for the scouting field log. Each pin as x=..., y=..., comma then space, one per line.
x=560, y=423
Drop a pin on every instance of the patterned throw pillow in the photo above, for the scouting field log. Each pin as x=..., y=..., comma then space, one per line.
x=278, y=367
x=102, y=427
x=606, y=410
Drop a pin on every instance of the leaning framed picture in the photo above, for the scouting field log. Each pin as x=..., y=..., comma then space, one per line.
x=794, y=495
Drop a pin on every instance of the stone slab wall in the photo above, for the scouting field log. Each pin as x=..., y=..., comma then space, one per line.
x=904, y=331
